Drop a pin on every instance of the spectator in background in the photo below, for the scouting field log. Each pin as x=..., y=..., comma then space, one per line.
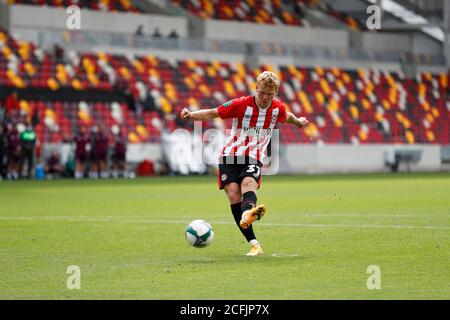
x=299, y=9
x=12, y=105
x=139, y=31
x=99, y=153
x=12, y=152
x=33, y=117
x=27, y=146
x=2, y=148
x=157, y=33
x=135, y=99
x=53, y=165
x=119, y=163
x=122, y=87
x=81, y=151
x=2, y=113
x=58, y=53
x=173, y=34
x=93, y=170
x=149, y=104
x=139, y=37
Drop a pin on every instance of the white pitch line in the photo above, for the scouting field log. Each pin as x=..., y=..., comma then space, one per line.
x=400, y=226
x=355, y=215
x=147, y=221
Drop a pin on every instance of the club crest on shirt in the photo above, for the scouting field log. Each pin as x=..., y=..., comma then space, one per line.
x=224, y=177
x=274, y=119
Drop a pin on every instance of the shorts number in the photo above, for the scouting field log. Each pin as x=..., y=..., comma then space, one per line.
x=252, y=168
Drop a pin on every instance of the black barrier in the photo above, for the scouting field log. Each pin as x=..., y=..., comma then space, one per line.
x=66, y=94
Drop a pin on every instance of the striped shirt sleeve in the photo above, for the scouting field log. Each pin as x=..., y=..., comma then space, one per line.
x=283, y=114
x=231, y=109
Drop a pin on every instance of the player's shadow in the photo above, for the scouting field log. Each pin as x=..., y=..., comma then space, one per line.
x=274, y=258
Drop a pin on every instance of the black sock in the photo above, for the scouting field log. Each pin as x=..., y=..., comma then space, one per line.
x=249, y=200
x=237, y=213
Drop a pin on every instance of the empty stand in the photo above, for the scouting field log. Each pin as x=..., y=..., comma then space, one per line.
x=344, y=106
x=103, y=5
x=265, y=12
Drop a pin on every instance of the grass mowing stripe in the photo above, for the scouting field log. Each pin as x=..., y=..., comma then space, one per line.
x=146, y=221
x=127, y=238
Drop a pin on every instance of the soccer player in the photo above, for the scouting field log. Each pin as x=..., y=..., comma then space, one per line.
x=27, y=149
x=2, y=147
x=119, y=161
x=254, y=119
x=81, y=141
x=99, y=152
x=12, y=151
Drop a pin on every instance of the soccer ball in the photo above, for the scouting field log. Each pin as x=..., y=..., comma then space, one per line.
x=199, y=234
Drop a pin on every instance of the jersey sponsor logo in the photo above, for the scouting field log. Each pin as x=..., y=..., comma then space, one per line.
x=228, y=103
x=258, y=131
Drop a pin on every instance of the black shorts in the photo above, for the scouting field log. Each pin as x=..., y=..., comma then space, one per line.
x=99, y=155
x=236, y=171
x=118, y=157
x=81, y=157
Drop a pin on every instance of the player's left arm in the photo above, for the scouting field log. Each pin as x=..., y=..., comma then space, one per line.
x=292, y=119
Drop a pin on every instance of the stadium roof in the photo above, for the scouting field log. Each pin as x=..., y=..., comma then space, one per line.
x=412, y=18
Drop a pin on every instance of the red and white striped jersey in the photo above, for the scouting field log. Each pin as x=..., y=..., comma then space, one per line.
x=252, y=126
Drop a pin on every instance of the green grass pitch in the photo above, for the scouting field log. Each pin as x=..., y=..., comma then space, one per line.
x=320, y=235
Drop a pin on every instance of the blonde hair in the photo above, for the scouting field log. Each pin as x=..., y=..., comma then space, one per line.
x=268, y=78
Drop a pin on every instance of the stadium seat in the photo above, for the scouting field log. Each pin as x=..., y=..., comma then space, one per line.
x=103, y=5
x=264, y=12
x=345, y=106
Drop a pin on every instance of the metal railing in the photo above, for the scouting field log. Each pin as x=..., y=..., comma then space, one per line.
x=85, y=41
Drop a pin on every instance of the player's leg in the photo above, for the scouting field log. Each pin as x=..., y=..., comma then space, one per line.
x=16, y=167
x=103, y=169
x=8, y=167
x=251, y=211
x=1, y=164
x=21, y=162
x=233, y=192
x=30, y=161
x=115, y=167
x=229, y=180
x=12, y=166
x=124, y=168
x=79, y=167
x=94, y=167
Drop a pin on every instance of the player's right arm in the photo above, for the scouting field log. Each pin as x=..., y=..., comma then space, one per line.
x=229, y=109
x=200, y=115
